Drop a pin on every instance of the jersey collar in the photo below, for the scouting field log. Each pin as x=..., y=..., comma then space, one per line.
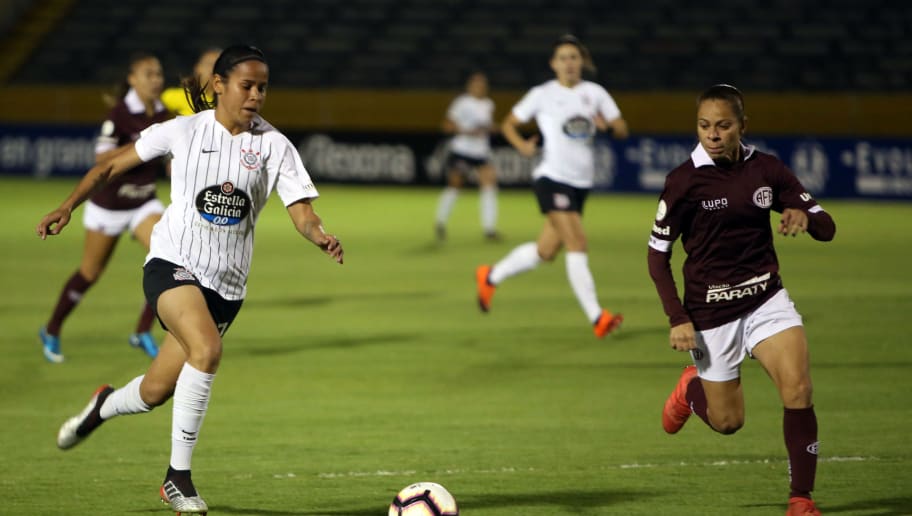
x=701, y=158
x=135, y=106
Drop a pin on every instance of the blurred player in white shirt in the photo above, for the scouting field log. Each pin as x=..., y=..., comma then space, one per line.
x=568, y=110
x=225, y=163
x=470, y=118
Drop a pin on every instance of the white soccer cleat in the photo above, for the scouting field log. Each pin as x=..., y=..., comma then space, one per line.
x=171, y=495
x=78, y=427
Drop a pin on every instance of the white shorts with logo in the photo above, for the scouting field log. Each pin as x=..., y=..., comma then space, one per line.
x=721, y=350
x=115, y=222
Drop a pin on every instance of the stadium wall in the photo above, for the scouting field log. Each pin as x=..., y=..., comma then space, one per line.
x=840, y=145
x=661, y=113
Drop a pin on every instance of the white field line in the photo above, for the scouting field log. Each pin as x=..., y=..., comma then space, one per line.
x=508, y=470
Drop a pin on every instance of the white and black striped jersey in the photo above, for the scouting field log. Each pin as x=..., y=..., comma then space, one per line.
x=565, y=117
x=219, y=185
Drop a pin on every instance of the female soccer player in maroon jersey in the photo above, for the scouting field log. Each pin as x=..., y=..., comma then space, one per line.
x=718, y=202
x=128, y=204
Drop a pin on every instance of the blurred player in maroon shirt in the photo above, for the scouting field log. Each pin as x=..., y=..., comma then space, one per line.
x=718, y=203
x=126, y=204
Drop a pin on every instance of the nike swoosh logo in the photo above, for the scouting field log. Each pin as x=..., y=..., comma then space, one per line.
x=207, y=151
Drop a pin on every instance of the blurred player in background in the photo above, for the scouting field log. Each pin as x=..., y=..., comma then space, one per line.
x=226, y=162
x=126, y=204
x=175, y=99
x=470, y=119
x=719, y=203
x=568, y=110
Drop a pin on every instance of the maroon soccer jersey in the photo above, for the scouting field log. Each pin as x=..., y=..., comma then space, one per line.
x=723, y=218
x=124, y=123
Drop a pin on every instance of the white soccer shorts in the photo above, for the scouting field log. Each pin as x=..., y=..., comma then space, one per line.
x=721, y=350
x=115, y=222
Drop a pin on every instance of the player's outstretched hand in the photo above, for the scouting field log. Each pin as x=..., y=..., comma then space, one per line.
x=53, y=223
x=332, y=246
x=793, y=221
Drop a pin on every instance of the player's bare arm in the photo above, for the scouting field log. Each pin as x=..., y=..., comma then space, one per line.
x=526, y=147
x=309, y=224
x=97, y=176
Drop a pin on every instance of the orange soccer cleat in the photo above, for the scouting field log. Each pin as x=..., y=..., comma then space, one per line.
x=485, y=289
x=677, y=410
x=607, y=323
x=799, y=506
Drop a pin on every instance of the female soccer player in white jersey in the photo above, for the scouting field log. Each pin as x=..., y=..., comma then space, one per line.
x=568, y=110
x=719, y=203
x=225, y=163
x=470, y=118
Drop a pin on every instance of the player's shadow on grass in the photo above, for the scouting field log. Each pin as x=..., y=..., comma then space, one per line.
x=898, y=506
x=566, y=500
x=311, y=301
x=371, y=511
x=267, y=346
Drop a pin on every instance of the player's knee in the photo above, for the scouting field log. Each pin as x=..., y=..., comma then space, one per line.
x=547, y=255
x=206, y=356
x=727, y=424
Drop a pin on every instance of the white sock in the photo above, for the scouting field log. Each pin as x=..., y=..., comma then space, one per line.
x=488, y=204
x=583, y=285
x=521, y=259
x=191, y=398
x=125, y=400
x=445, y=205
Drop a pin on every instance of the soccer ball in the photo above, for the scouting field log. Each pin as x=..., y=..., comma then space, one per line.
x=424, y=499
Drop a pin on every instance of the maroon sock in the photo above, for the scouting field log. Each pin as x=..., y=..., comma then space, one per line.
x=697, y=399
x=72, y=293
x=145, y=319
x=800, y=429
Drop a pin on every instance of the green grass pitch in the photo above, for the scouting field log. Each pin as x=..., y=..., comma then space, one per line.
x=341, y=385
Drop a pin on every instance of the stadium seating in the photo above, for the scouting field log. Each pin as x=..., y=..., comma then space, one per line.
x=829, y=45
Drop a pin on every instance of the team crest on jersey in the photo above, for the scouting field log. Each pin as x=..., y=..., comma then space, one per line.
x=223, y=205
x=763, y=197
x=697, y=353
x=250, y=159
x=579, y=127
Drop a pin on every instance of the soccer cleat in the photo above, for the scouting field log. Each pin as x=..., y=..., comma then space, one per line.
x=78, y=427
x=485, y=289
x=677, y=410
x=607, y=323
x=493, y=236
x=50, y=344
x=440, y=232
x=179, y=503
x=146, y=342
x=799, y=506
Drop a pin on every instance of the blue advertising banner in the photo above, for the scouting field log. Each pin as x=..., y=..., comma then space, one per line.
x=828, y=167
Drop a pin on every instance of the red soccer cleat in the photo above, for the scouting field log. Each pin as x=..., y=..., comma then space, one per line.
x=799, y=506
x=607, y=323
x=485, y=289
x=677, y=410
